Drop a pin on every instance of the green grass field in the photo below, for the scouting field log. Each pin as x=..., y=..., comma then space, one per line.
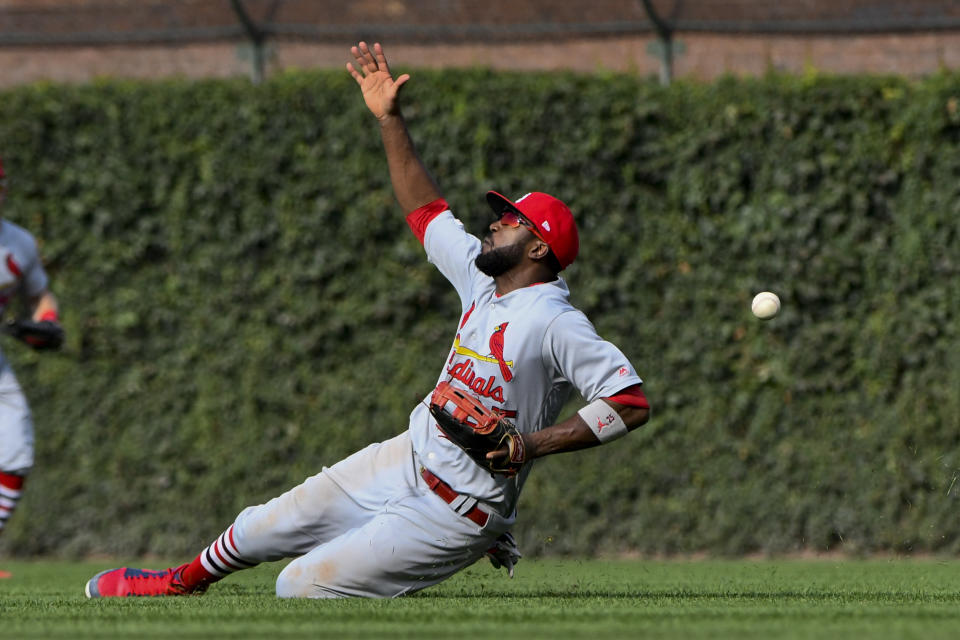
x=546, y=599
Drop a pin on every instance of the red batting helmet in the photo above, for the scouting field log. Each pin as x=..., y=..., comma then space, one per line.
x=552, y=219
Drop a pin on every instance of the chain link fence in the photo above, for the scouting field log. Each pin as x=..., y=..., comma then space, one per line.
x=258, y=25
x=110, y=22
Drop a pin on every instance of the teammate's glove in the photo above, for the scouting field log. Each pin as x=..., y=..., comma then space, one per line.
x=504, y=553
x=43, y=335
x=477, y=430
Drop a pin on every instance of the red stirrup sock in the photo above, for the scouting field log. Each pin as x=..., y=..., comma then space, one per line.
x=215, y=562
x=10, y=488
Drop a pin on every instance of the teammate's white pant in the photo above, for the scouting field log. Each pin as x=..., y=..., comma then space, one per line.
x=367, y=526
x=16, y=424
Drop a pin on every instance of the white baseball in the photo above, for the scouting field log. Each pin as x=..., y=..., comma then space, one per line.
x=765, y=305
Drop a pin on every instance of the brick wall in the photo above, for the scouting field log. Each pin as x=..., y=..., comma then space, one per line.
x=704, y=56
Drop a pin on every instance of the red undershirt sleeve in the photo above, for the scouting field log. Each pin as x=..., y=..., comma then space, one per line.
x=418, y=219
x=631, y=397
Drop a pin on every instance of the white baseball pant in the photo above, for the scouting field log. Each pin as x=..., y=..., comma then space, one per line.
x=368, y=526
x=16, y=424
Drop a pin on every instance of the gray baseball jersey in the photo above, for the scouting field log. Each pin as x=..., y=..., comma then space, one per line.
x=21, y=272
x=521, y=353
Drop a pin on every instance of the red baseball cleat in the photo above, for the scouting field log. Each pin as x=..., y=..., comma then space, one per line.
x=5, y=574
x=124, y=583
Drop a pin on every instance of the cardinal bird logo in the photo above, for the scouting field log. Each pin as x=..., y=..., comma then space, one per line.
x=496, y=350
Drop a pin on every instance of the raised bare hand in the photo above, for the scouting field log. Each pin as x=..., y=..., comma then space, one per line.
x=371, y=72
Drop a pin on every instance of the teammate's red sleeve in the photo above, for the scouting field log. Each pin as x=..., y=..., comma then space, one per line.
x=418, y=219
x=631, y=397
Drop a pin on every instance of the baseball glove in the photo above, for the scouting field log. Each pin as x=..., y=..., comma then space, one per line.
x=477, y=430
x=42, y=336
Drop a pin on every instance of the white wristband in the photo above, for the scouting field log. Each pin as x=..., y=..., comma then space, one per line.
x=603, y=420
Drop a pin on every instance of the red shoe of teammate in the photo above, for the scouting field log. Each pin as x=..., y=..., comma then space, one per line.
x=124, y=583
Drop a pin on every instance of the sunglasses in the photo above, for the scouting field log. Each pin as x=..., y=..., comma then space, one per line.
x=513, y=219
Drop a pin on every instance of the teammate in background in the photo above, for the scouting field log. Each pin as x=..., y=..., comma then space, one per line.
x=21, y=274
x=407, y=513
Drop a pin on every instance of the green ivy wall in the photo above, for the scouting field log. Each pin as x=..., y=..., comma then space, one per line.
x=244, y=303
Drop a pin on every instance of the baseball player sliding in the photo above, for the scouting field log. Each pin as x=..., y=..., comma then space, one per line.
x=21, y=274
x=407, y=513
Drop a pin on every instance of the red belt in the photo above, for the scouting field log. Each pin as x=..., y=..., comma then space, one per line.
x=448, y=495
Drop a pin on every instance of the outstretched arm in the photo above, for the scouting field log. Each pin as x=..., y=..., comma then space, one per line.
x=412, y=184
x=573, y=433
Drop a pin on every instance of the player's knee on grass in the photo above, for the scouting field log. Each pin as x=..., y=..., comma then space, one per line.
x=299, y=580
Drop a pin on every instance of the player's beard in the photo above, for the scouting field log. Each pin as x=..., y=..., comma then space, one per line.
x=497, y=262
